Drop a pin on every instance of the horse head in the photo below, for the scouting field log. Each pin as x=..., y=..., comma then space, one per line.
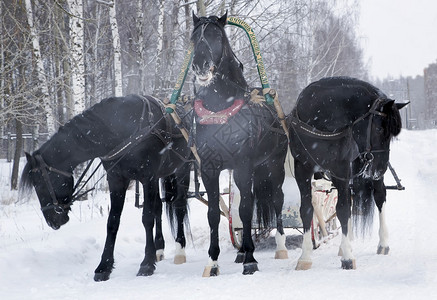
x=210, y=41
x=53, y=187
x=373, y=137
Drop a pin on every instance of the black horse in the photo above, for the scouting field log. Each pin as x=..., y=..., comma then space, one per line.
x=342, y=127
x=234, y=133
x=135, y=140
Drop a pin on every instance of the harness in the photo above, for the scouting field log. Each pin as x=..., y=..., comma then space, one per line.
x=366, y=156
x=207, y=117
x=117, y=153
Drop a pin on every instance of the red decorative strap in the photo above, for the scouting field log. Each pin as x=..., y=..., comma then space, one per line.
x=207, y=117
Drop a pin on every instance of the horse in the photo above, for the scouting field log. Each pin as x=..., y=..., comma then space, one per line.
x=135, y=140
x=232, y=132
x=342, y=127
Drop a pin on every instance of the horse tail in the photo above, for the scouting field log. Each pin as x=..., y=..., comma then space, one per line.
x=177, y=208
x=263, y=194
x=363, y=205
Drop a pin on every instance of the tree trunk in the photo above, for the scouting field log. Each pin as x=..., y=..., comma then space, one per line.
x=118, y=83
x=201, y=9
x=40, y=70
x=187, y=24
x=158, y=64
x=77, y=55
x=2, y=77
x=141, y=47
x=17, y=154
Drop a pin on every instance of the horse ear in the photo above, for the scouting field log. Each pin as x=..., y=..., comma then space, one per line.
x=401, y=105
x=195, y=19
x=28, y=157
x=224, y=19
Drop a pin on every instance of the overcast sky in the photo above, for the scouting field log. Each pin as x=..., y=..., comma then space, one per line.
x=399, y=36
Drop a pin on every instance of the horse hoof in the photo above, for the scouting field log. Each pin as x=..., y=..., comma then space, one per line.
x=383, y=250
x=146, y=271
x=304, y=265
x=101, y=276
x=159, y=255
x=240, y=258
x=211, y=271
x=180, y=259
x=250, y=268
x=348, y=264
x=281, y=254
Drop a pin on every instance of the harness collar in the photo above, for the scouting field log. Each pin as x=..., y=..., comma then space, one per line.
x=207, y=117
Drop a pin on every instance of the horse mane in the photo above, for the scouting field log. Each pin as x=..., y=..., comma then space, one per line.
x=73, y=125
x=25, y=180
x=394, y=121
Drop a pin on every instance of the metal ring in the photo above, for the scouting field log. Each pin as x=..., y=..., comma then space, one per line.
x=368, y=157
x=59, y=209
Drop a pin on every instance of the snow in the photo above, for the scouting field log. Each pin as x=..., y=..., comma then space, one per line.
x=37, y=262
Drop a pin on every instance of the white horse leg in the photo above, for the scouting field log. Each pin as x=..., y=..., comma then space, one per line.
x=305, y=262
x=281, y=250
x=347, y=258
x=383, y=247
x=179, y=257
x=212, y=265
x=159, y=255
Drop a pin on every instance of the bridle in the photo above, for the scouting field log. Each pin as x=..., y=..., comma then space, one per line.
x=203, y=23
x=59, y=208
x=366, y=156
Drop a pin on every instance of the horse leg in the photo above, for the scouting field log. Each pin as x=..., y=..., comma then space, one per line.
x=159, y=238
x=343, y=210
x=117, y=187
x=243, y=180
x=379, y=194
x=303, y=179
x=211, y=183
x=150, y=187
x=180, y=205
x=277, y=179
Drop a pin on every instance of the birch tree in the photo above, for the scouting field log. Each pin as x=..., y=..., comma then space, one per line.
x=118, y=83
x=77, y=55
x=2, y=74
x=141, y=46
x=159, y=46
x=48, y=109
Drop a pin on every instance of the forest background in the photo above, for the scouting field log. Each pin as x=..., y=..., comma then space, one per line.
x=59, y=57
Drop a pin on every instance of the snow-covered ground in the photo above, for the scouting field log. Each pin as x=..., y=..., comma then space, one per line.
x=37, y=262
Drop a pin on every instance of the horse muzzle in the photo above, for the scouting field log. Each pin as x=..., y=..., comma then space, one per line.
x=205, y=77
x=56, y=220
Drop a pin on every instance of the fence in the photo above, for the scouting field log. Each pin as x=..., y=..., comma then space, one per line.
x=30, y=143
